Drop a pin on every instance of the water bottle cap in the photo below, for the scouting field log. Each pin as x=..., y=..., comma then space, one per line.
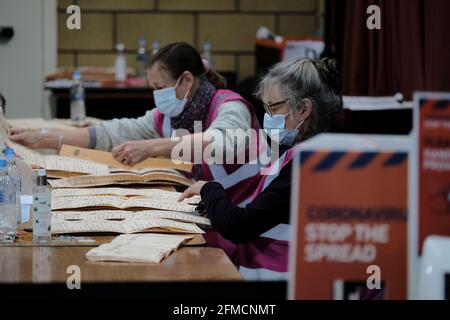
x=206, y=45
x=3, y=163
x=142, y=42
x=9, y=152
x=41, y=172
x=120, y=47
x=76, y=75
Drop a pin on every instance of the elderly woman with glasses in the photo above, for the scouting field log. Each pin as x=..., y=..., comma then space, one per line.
x=300, y=97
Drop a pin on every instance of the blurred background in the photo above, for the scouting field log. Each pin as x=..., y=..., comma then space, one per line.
x=240, y=38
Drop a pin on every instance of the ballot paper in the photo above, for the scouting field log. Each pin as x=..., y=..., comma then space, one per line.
x=150, y=248
x=125, y=226
x=105, y=157
x=74, y=161
x=123, y=192
x=58, y=163
x=150, y=176
x=100, y=215
x=96, y=201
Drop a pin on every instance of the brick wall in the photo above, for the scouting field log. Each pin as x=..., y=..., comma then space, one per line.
x=229, y=25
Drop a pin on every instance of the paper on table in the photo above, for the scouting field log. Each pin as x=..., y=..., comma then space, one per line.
x=64, y=203
x=58, y=163
x=125, y=253
x=29, y=156
x=137, y=248
x=158, y=176
x=62, y=174
x=143, y=171
x=163, y=241
x=124, y=226
x=123, y=192
x=99, y=215
x=106, y=158
x=80, y=164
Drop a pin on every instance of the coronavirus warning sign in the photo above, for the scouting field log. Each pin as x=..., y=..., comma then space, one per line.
x=350, y=208
x=432, y=120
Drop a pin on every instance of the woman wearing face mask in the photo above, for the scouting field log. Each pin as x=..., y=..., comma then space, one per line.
x=300, y=98
x=185, y=91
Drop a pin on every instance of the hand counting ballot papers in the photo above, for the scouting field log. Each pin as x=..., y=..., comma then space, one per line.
x=97, y=167
x=431, y=174
x=56, y=166
x=106, y=158
x=349, y=214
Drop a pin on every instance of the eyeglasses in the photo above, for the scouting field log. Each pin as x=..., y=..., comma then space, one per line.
x=268, y=107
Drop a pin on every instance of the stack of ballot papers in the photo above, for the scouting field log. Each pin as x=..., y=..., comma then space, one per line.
x=151, y=176
x=79, y=162
x=76, y=172
x=121, y=198
x=52, y=163
x=149, y=248
x=117, y=215
x=79, y=167
x=58, y=166
x=124, y=226
x=171, y=216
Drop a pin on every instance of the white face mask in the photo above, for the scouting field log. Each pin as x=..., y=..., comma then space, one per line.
x=167, y=102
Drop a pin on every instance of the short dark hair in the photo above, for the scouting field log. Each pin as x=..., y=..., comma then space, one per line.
x=179, y=57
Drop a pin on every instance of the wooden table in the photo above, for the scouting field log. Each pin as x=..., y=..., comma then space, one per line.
x=49, y=265
x=79, y=240
x=107, y=101
x=24, y=262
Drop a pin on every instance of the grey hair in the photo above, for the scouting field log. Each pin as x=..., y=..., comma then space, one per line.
x=317, y=80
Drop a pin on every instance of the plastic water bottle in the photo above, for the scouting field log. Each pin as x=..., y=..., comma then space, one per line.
x=42, y=215
x=155, y=46
x=14, y=175
x=77, y=106
x=8, y=215
x=121, y=63
x=142, y=58
x=207, y=54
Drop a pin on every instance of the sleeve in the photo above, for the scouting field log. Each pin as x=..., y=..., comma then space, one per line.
x=109, y=134
x=232, y=115
x=242, y=225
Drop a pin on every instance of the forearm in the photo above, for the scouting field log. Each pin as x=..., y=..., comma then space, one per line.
x=181, y=148
x=53, y=139
x=236, y=224
x=110, y=134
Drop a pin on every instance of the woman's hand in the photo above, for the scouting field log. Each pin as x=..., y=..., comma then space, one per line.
x=192, y=190
x=132, y=152
x=29, y=138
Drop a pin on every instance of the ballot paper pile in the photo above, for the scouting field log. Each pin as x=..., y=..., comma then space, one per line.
x=84, y=201
x=149, y=248
x=121, y=210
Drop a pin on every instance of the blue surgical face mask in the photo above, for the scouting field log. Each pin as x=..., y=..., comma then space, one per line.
x=167, y=102
x=275, y=125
